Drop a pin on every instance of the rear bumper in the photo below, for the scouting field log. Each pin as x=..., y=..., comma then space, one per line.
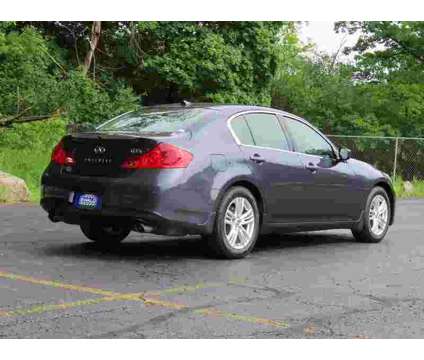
x=165, y=203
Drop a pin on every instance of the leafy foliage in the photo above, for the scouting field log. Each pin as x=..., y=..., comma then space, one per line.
x=34, y=77
x=381, y=94
x=227, y=62
x=392, y=50
x=202, y=61
x=37, y=135
x=25, y=150
x=323, y=92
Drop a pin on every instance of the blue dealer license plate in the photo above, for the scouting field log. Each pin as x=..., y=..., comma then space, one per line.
x=87, y=201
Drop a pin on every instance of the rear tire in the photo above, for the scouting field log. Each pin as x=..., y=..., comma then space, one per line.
x=105, y=233
x=236, y=226
x=375, y=219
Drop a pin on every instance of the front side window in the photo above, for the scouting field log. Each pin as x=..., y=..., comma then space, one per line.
x=307, y=140
x=266, y=131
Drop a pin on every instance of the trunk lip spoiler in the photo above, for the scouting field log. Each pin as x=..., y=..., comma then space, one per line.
x=100, y=135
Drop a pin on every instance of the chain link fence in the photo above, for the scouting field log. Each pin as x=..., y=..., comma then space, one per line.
x=401, y=157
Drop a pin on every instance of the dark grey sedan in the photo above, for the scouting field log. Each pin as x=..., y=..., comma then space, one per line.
x=227, y=172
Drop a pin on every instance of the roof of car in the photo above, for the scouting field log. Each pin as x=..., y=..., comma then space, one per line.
x=227, y=109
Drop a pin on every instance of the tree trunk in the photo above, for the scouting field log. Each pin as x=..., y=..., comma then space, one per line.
x=8, y=121
x=94, y=40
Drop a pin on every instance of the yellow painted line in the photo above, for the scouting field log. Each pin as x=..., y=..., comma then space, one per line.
x=97, y=291
x=199, y=286
x=57, y=284
x=162, y=303
x=110, y=296
x=149, y=301
x=185, y=288
x=240, y=317
x=39, y=309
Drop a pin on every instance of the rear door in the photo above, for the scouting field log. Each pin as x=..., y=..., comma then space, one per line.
x=274, y=166
x=329, y=193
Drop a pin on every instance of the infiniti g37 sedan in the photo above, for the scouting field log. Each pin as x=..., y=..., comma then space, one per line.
x=226, y=172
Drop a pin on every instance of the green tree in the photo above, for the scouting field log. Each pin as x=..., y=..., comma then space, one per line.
x=389, y=50
x=380, y=94
x=200, y=61
x=35, y=77
x=203, y=66
x=321, y=90
x=390, y=69
x=229, y=62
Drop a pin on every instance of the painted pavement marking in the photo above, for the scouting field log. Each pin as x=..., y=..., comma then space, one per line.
x=148, y=298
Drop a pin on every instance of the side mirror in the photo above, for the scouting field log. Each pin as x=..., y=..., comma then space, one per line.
x=344, y=154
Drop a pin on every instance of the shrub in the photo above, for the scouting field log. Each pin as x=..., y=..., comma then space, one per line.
x=83, y=100
x=25, y=150
x=34, y=76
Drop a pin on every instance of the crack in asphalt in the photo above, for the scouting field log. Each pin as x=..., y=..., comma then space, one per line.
x=333, y=318
x=187, y=310
x=322, y=284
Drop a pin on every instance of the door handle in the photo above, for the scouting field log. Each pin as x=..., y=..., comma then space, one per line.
x=257, y=158
x=311, y=167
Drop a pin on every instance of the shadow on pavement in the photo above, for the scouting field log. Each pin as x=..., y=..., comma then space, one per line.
x=194, y=247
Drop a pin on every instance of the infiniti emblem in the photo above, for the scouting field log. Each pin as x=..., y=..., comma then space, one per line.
x=99, y=149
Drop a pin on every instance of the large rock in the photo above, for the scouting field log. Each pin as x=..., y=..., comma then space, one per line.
x=12, y=189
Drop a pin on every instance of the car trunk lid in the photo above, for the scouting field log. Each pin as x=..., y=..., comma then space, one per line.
x=98, y=154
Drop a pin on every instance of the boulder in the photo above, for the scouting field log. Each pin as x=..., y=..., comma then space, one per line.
x=408, y=187
x=12, y=189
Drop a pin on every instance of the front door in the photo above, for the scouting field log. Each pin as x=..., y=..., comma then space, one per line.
x=328, y=182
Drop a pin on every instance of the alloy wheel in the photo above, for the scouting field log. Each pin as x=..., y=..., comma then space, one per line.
x=239, y=223
x=378, y=215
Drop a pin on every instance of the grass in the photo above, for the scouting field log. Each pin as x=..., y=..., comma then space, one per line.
x=27, y=165
x=25, y=151
x=2, y=194
x=418, y=189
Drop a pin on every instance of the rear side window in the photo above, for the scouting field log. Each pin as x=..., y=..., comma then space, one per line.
x=242, y=131
x=307, y=140
x=266, y=131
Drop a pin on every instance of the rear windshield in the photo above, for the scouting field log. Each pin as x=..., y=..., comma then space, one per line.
x=151, y=121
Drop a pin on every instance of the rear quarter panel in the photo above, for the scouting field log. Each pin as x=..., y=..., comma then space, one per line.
x=217, y=160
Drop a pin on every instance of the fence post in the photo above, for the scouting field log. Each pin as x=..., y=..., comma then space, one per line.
x=395, y=159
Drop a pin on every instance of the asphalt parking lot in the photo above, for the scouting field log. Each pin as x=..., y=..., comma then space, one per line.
x=55, y=284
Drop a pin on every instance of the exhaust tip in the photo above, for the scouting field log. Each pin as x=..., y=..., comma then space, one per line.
x=138, y=227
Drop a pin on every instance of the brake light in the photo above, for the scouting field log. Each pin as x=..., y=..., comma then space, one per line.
x=162, y=156
x=62, y=157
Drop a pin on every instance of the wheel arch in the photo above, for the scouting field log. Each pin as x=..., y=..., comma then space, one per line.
x=392, y=198
x=253, y=188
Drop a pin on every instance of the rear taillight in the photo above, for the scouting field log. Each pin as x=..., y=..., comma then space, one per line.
x=162, y=156
x=62, y=157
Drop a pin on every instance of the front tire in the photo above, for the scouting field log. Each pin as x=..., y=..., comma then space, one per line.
x=375, y=221
x=236, y=226
x=105, y=233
